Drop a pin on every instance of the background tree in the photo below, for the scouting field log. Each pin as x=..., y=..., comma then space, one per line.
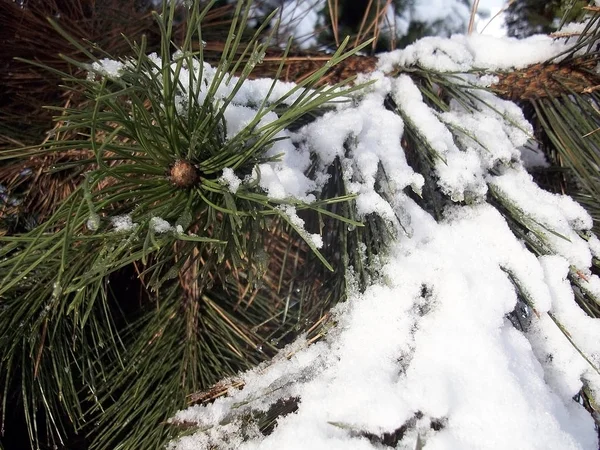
x=525, y=18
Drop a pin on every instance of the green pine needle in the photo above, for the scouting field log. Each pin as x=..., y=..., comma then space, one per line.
x=95, y=359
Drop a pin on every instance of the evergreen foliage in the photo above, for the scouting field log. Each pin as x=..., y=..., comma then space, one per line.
x=147, y=282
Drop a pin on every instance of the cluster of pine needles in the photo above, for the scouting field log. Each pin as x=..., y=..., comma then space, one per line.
x=105, y=333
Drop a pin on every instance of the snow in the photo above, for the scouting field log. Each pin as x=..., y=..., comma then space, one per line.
x=303, y=19
x=300, y=19
x=230, y=179
x=567, y=366
x=432, y=342
x=556, y=218
x=108, y=67
x=160, y=225
x=280, y=179
x=532, y=156
x=462, y=53
x=409, y=99
x=438, y=10
x=486, y=140
x=594, y=244
x=120, y=224
x=364, y=137
x=491, y=17
x=292, y=216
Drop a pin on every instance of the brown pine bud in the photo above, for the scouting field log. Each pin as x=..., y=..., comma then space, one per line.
x=183, y=174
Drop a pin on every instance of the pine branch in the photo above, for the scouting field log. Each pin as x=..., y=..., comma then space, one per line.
x=151, y=208
x=576, y=76
x=225, y=274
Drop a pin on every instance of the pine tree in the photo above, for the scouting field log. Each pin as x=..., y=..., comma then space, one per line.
x=180, y=254
x=535, y=17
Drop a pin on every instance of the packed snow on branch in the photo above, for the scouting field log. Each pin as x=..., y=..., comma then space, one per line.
x=466, y=339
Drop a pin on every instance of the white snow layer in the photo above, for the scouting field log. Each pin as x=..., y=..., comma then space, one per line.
x=475, y=51
x=429, y=346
